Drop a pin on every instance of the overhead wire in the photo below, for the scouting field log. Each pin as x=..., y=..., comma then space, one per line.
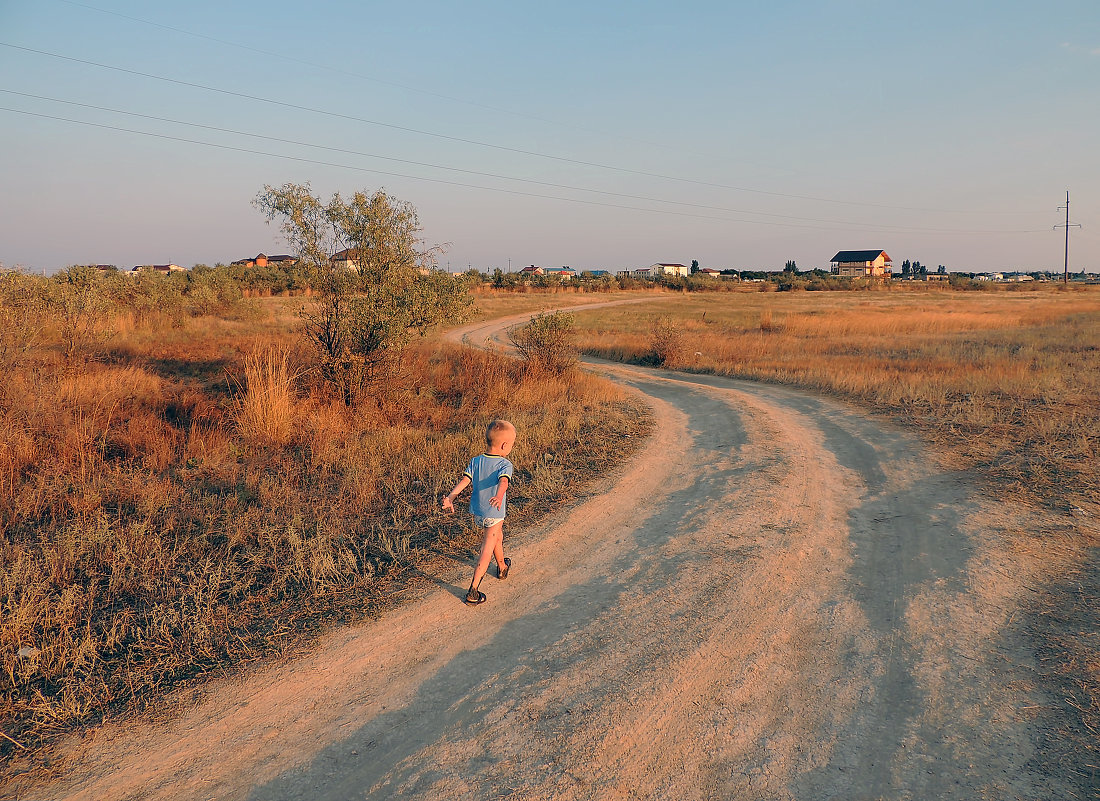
x=283, y=56
x=357, y=168
x=482, y=174
x=462, y=140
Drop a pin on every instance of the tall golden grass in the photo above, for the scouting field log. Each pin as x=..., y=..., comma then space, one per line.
x=266, y=404
x=188, y=497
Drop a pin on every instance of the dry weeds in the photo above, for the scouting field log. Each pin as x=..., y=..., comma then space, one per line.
x=266, y=403
x=1005, y=382
x=187, y=498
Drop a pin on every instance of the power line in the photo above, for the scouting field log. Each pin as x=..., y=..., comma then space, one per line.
x=447, y=137
x=300, y=159
x=340, y=71
x=319, y=162
x=549, y=184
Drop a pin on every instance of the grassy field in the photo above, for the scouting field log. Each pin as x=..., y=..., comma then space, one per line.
x=180, y=495
x=496, y=303
x=1006, y=382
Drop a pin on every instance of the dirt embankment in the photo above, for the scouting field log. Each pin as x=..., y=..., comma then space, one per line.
x=777, y=599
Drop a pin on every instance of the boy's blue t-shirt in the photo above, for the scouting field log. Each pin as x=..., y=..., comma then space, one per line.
x=485, y=472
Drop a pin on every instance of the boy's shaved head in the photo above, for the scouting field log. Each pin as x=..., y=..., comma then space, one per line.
x=498, y=431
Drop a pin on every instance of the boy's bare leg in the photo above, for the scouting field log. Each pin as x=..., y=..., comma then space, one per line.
x=493, y=540
x=498, y=547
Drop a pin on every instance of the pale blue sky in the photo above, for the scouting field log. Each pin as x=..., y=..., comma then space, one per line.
x=739, y=134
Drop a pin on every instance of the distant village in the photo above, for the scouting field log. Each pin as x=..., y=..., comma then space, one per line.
x=850, y=264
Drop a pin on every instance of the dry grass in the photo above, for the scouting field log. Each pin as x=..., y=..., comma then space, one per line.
x=188, y=498
x=495, y=303
x=1005, y=382
x=266, y=404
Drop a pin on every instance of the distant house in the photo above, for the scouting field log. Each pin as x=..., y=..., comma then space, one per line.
x=861, y=264
x=347, y=259
x=709, y=271
x=564, y=273
x=531, y=269
x=669, y=269
x=262, y=260
x=259, y=260
x=158, y=268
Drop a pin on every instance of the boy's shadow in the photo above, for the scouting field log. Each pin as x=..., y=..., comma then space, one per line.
x=442, y=559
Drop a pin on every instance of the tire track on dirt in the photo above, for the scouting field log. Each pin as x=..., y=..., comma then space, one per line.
x=775, y=599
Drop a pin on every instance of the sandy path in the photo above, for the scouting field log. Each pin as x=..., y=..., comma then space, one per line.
x=778, y=598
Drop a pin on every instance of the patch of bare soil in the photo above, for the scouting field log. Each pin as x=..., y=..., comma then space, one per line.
x=777, y=599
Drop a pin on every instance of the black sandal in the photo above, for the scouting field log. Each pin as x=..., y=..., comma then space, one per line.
x=502, y=573
x=474, y=600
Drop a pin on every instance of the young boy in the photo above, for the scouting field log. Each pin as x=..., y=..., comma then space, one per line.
x=489, y=475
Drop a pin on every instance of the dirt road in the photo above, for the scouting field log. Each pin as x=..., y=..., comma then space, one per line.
x=777, y=599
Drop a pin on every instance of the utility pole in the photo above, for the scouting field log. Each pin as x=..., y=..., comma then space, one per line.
x=1067, y=225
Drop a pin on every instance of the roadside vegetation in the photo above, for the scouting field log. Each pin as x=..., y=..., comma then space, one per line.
x=547, y=342
x=184, y=489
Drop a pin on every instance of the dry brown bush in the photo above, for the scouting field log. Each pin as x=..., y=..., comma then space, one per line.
x=546, y=341
x=666, y=341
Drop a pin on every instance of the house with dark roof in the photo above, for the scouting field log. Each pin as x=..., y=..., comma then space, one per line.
x=262, y=260
x=861, y=264
x=347, y=259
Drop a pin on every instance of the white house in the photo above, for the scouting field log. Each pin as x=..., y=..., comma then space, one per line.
x=670, y=269
x=564, y=273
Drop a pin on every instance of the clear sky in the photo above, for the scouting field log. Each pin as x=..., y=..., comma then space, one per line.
x=589, y=134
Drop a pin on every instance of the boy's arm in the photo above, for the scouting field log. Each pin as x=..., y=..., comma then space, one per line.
x=502, y=487
x=448, y=502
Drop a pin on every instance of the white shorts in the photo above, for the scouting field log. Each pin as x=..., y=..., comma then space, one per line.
x=487, y=522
